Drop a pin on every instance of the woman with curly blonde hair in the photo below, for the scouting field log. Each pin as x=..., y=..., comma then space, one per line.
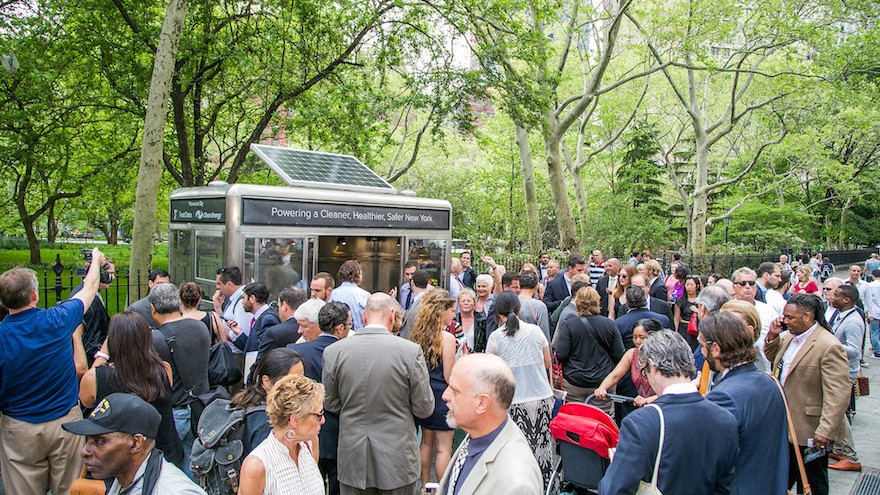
x=285, y=462
x=431, y=332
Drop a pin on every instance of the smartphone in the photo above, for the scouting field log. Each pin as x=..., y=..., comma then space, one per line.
x=783, y=326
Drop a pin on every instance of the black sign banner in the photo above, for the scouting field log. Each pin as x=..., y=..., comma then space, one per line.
x=303, y=213
x=195, y=210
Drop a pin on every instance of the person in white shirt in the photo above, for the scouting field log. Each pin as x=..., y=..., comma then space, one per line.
x=872, y=311
x=455, y=284
x=744, y=289
x=769, y=279
x=227, y=300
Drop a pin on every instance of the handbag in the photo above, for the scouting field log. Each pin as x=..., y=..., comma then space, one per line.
x=556, y=373
x=692, y=326
x=85, y=486
x=651, y=488
x=861, y=385
x=222, y=368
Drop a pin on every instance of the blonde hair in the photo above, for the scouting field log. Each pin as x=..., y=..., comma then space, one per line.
x=630, y=273
x=653, y=266
x=586, y=301
x=467, y=292
x=428, y=326
x=745, y=312
x=293, y=395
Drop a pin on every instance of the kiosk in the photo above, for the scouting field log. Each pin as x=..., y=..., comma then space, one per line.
x=334, y=209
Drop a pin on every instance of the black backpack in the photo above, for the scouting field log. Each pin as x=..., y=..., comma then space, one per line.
x=218, y=448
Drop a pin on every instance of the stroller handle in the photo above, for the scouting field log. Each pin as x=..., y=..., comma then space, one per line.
x=620, y=399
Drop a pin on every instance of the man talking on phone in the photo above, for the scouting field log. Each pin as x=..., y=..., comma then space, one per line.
x=811, y=364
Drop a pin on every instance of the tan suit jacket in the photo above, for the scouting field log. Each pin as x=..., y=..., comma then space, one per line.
x=508, y=466
x=817, y=386
x=377, y=382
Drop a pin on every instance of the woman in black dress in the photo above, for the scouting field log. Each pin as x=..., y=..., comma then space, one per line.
x=431, y=332
x=685, y=308
x=134, y=367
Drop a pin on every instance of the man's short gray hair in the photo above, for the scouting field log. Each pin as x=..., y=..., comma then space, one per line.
x=742, y=271
x=165, y=298
x=309, y=310
x=712, y=298
x=669, y=353
x=493, y=377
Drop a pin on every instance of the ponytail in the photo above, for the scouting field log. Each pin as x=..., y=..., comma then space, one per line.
x=507, y=304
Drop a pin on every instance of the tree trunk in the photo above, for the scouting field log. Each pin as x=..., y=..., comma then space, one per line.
x=51, y=225
x=701, y=194
x=33, y=242
x=530, y=191
x=151, y=166
x=113, y=238
x=556, y=175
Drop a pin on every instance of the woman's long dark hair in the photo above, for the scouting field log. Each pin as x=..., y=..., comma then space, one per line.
x=275, y=364
x=136, y=366
x=507, y=304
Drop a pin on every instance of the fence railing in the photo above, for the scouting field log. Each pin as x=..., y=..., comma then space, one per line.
x=707, y=264
x=57, y=283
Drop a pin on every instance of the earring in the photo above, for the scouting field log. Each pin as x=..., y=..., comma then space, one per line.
x=290, y=435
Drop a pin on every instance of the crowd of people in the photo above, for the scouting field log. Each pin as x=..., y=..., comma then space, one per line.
x=733, y=380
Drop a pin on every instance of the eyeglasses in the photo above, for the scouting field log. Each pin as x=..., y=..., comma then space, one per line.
x=319, y=415
x=744, y=283
x=643, y=370
x=706, y=344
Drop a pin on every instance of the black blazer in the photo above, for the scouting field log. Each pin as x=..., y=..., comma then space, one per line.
x=278, y=336
x=555, y=292
x=657, y=306
x=659, y=290
x=312, y=354
x=602, y=289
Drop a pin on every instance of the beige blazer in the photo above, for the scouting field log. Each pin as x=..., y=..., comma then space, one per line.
x=377, y=382
x=817, y=386
x=508, y=466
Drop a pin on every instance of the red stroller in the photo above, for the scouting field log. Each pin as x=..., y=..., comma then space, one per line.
x=584, y=434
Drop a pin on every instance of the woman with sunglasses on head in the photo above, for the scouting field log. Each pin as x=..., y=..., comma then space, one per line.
x=285, y=462
x=618, y=297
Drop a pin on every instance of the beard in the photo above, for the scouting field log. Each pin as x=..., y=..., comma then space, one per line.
x=450, y=420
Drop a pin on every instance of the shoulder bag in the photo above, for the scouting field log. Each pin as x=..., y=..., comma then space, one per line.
x=599, y=340
x=651, y=488
x=793, y=438
x=86, y=486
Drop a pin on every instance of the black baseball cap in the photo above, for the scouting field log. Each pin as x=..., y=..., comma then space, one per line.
x=124, y=413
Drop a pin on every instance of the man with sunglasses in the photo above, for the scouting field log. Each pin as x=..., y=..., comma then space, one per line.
x=744, y=289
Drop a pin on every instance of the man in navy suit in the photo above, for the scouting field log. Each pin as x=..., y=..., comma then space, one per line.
x=286, y=332
x=700, y=438
x=753, y=399
x=335, y=322
x=658, y=306
x=560, y=287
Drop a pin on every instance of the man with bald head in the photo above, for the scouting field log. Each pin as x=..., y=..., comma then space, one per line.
x=376, y=399
x=495, y=456
x=607, y=283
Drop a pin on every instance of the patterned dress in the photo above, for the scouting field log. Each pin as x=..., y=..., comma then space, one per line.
x=282, y=474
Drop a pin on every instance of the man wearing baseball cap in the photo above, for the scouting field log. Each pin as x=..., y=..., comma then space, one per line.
x=120, y=444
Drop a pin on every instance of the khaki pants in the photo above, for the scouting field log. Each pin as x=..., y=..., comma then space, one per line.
x=39, y=457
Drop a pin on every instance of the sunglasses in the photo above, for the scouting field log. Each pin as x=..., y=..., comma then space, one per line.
x=745, y=283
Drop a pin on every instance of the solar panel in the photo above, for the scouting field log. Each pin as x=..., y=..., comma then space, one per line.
x=307, y=168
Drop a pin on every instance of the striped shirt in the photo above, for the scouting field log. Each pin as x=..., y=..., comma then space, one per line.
x=596, y=272
x=282, y=474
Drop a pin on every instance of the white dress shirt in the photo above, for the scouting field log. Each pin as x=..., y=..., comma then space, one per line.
x=797, y=341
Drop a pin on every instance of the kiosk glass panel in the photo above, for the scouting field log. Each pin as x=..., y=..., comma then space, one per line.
x=180, y=261
x=430, y=254
x=276, y=262
x=209, y=258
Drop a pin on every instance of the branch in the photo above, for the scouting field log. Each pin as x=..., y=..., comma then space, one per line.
x=415, y=153
x=711, y=220
x=746, y=111
x=665, y=69
x=620, y=131
x=710, y=187
x=133, y=26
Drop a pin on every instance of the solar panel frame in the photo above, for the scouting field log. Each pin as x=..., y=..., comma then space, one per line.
x=308, y=168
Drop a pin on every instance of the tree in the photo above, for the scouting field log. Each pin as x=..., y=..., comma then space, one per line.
x=150, y=170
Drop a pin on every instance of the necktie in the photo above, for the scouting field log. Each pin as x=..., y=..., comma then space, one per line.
x=834, y=317
x=408, y=299
x=456, y=468
x=253, y=320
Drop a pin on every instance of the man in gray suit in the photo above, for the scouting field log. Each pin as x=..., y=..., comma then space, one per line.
x=377, y=382
x=142, y=305
x=495, y=456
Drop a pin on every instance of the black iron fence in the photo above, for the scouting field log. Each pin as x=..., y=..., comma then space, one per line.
x=57, y=283
x=706, y=264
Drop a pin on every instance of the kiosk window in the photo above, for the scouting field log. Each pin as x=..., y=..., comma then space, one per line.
x=209, y=258
x=276, y=262
x=430, y=254
x=180, y=245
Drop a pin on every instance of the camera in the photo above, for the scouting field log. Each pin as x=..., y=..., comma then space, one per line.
x=106, y=276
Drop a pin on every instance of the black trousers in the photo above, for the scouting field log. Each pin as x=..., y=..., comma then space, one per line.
x=328, y=470
x=817, y=473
